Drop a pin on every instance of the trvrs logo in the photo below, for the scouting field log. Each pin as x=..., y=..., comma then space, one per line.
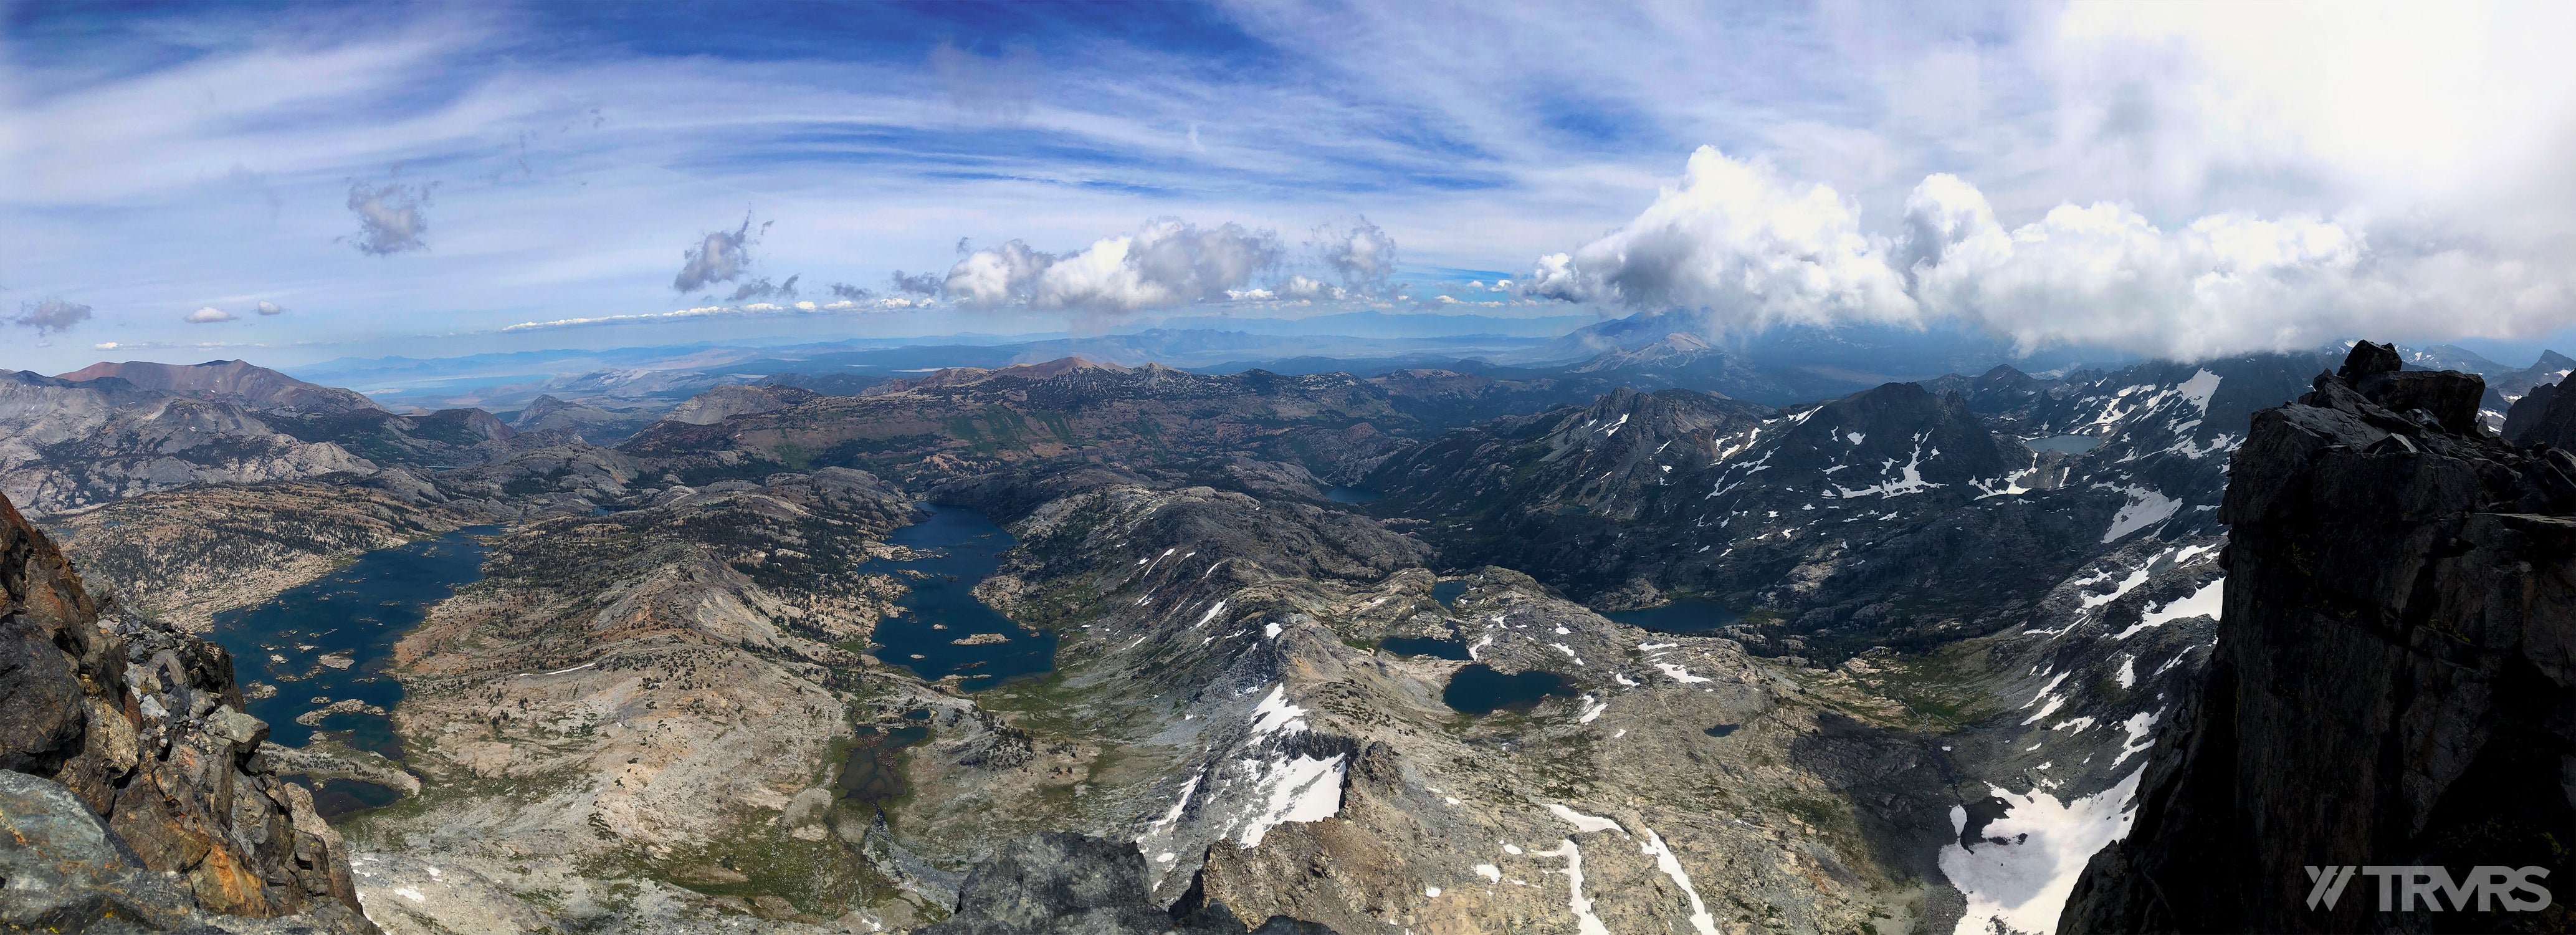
x=2400, y=887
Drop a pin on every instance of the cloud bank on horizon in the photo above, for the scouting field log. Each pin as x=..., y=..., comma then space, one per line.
x=2174, y=179
x=1756, y=251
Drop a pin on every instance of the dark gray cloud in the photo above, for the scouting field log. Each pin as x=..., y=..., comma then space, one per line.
x=762, y=289
x=50, y=315
x=720, y=256
x=853, y=293
x=918, y=284
x=391, y=217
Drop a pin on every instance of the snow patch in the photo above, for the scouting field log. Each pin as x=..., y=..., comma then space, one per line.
x=2139, y=739
x=1303, y=789
x=1679, y=674
x=1275, y=713
x=2023, y=883
x=1701, y=921
x=2146, y=507
x=2209, y=601
x=1585, y=923
x=1584, y=824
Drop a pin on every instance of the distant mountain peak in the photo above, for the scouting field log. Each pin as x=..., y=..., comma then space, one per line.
x=232, y=381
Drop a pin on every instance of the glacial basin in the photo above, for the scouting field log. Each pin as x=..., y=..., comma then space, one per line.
x=934, y=631
x=329, y=642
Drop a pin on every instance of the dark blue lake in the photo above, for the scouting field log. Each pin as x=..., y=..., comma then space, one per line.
x=1683, y=615
x=1351, y=495
x=330, y=640
x=935, y=633
x=1480, y=690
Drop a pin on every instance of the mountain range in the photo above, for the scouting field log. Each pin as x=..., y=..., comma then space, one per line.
x=1817, y=633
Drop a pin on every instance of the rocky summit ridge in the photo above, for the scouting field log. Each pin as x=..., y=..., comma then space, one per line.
x=2394, y=682
x=132, y=787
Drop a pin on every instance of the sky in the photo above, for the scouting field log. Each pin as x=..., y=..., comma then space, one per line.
x=292, y=183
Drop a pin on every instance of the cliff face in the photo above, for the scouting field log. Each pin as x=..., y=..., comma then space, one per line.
x=141, y=794
x=2395, y=676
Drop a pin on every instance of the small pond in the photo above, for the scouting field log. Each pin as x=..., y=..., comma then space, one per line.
x=1351, y=495
x=1446, y=591
x=1683, y=615
x=873, y=774
x=2068, y=444
x=941, y=628
x=1477, y=689
x=325, y=645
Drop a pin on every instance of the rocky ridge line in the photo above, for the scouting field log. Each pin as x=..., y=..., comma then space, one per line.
x=2395, y=676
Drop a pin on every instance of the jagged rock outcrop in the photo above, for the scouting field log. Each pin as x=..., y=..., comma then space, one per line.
x=1059, y=883
x=141, y=726
x=2545, y=416
x=2395, y=676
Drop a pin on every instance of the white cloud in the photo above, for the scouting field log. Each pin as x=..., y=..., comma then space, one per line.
x=207, y=316
x=270, y=308
x=2104, y=275
x=1735, y=237
x=1756, y=250
x=1360, y=253
x=1168, y=262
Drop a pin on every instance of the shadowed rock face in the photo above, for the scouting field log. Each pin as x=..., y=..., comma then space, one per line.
x=141, y=725
x=2394, y=681
x=1058, y=883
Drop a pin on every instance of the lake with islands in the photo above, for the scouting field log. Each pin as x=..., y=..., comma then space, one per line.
x=941, y=628
x=324, y=648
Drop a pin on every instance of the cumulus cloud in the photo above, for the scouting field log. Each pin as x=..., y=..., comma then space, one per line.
x=207, y=316
x=270, y=308
x=1755, y=250
x=720, y=256
x=1358, y=252
x=1168, y=262
x=51, y=315
x=2104, y=275
x=391, y=217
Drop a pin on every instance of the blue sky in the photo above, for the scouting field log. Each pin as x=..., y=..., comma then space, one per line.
x=2178, y=179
